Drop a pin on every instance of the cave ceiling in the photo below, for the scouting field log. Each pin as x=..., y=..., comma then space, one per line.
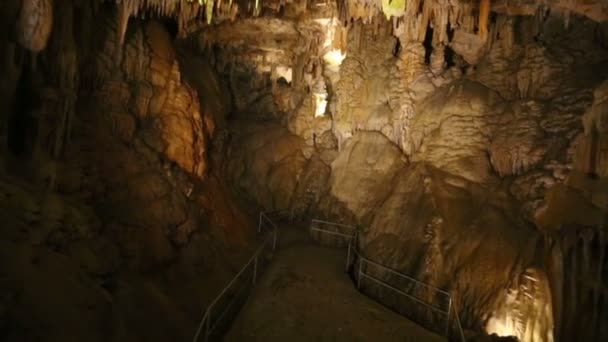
x=191, y=14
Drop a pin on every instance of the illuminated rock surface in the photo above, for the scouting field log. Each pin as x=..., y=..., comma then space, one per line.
x=139, y=139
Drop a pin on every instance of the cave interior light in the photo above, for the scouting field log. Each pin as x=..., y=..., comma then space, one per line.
x=320, y=101
x=334, y=57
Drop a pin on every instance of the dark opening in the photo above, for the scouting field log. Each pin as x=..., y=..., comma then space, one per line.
x=449, y=53
x=21, y=123
x=171, y=27
x=397, y=49
x=450, y=32
x=428, y=44
x=449, y=57
x=492, y=20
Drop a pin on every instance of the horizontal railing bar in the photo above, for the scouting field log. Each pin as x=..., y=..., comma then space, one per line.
x=277, y=211
x=231, y=282
x=269, y=220
x=397, y=273
x=333, y=224
x=207, y=316
x=257, y=252
x=227, y=308
x=200, y=326
x=365, y=275
x=330, y=232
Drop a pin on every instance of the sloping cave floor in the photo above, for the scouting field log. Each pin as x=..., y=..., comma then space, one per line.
x=305, y=295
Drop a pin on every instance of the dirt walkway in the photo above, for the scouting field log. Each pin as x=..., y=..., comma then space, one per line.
x=305, y=295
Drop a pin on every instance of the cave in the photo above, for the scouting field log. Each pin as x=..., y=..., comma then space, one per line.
x=348, y=170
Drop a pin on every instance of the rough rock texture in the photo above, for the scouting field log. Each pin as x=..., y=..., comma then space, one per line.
x=365, y=171
x=452, y=130
x=35, y=24
x=437, y=221
x=459, y=168
x=160, y=100
x=362, y=99
x=269, y=153
x=468, y=143
x=114, y=220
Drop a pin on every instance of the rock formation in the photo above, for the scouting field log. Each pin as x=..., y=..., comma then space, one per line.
x=112, y=213
x=467, y=140
x=450, y=162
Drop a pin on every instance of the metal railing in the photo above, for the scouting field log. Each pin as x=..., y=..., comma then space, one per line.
x=267, y=216
x=211, y=321
x=366, y=269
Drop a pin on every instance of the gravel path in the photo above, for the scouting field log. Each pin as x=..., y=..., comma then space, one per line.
x=305, y=295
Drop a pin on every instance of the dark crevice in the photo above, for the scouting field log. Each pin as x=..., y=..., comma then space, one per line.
x=397, y=49
x=171, y=27
x=449, y=57
x=22, y=125
x=428, y=44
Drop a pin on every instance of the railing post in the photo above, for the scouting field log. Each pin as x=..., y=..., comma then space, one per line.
x=200, y=328
x=447, y=327
x=255, y=268
x=360, y=272
x=348, y=257
x=207, y=324
x=260, y=222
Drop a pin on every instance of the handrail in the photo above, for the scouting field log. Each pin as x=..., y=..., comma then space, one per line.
x=334, y=224
x=399, y=274
x=457, y=320
x=281, y=212
x=352, y=238
x=205, y=322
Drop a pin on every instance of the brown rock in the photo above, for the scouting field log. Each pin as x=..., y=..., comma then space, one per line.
x=364, y=170
x=34, y=24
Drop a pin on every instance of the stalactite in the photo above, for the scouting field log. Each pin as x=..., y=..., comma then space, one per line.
x=209, y=11
x=484, y=14
x=437, y=62
x=440, y=20
x=423, y=24
x=125, y=9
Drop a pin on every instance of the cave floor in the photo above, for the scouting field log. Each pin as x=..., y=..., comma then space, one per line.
x=305, y=295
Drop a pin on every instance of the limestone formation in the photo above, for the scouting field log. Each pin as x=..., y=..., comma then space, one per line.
x=466, y=140
x=35, y=24
x=375, y=162
x=473, y=148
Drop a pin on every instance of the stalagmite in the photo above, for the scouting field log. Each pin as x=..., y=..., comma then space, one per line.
x=34, y=24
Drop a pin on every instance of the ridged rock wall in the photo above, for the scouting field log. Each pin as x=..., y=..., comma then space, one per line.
x=114, y=217
x=449, y=163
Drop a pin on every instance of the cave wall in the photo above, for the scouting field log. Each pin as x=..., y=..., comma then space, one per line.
x=114, y=217
x=467, y=141
x=450, y=153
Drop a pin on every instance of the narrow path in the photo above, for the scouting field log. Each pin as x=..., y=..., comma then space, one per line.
x=305, y=295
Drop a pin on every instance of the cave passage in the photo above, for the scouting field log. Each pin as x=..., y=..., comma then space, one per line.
x=305, y=295
x=462, y=145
